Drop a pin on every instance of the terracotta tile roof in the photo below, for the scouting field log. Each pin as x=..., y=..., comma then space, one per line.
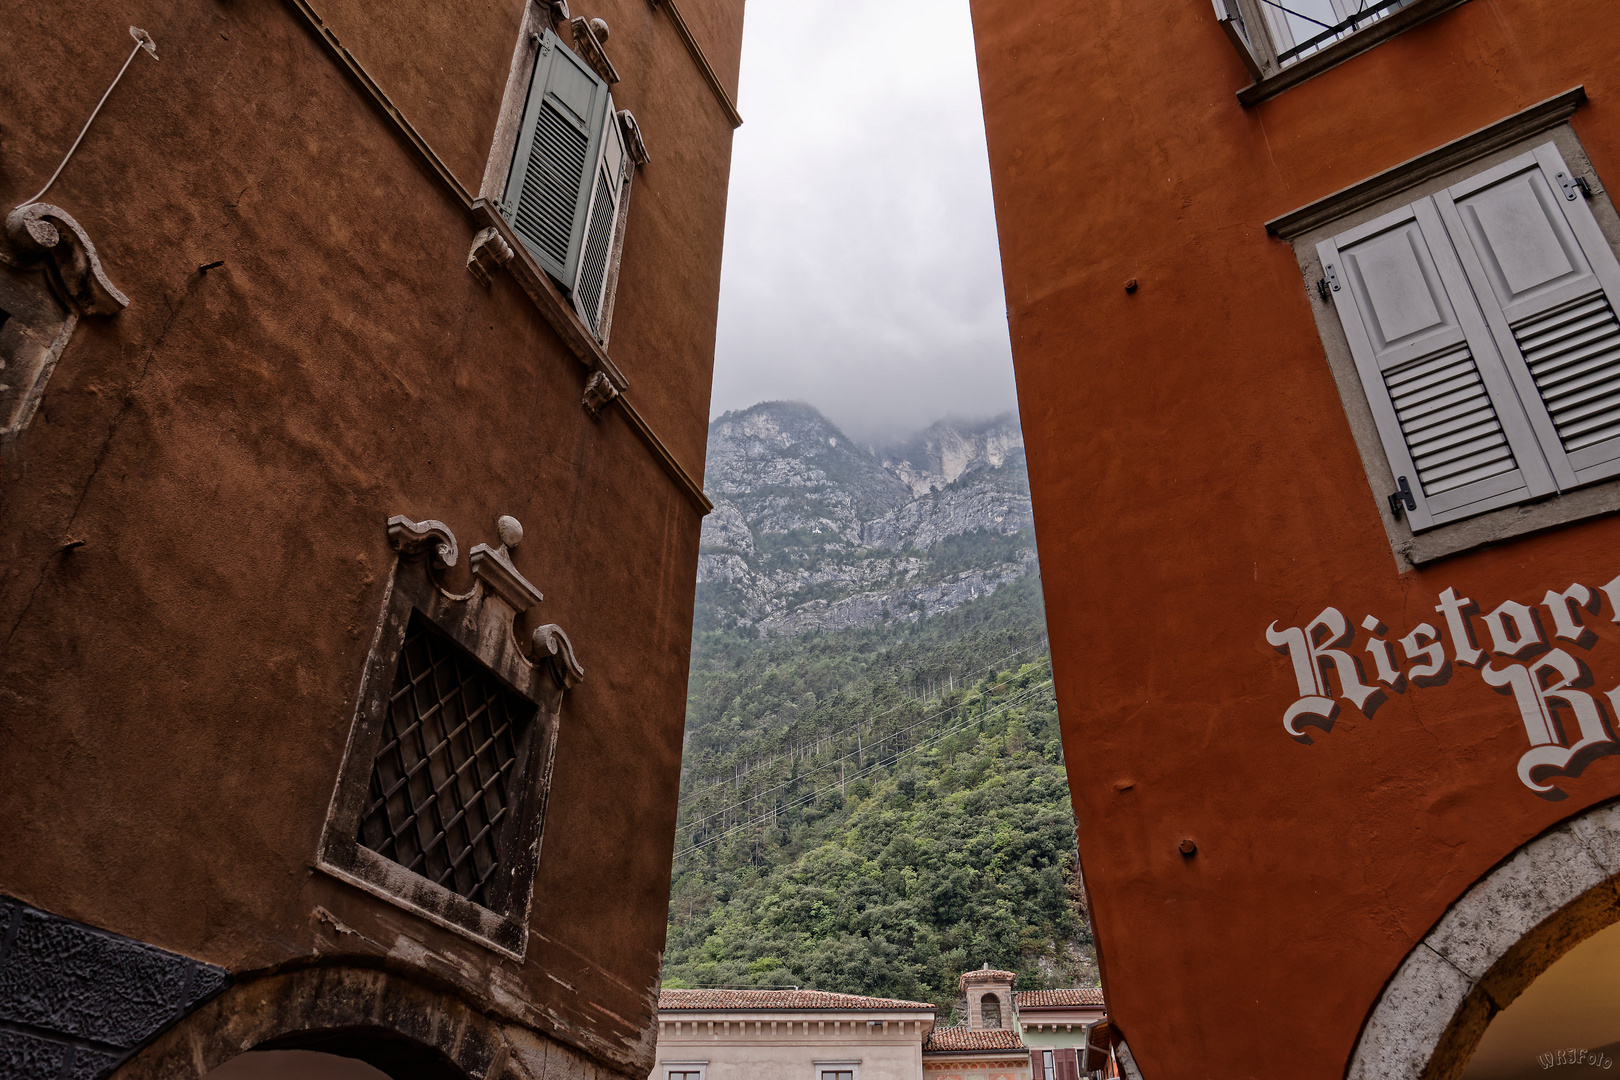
x=961, y=1038
x=1057, y=999
x=778, y=999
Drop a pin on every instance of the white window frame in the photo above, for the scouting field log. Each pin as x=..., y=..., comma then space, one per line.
x=699, y=1067
x=1467, y=159
x=823, y=1067
x=1263, y=39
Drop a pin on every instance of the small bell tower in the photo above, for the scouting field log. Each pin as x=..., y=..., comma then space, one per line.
x=989, y=999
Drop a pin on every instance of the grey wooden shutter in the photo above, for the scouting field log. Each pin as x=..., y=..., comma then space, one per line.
x=1440, y=394
x=602, y=222
x=549, y=188
x=1547, y=282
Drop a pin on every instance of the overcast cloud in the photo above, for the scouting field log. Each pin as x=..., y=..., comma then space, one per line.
x=861, y=270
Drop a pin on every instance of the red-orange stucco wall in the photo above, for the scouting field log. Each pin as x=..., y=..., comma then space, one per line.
x=1195, y=478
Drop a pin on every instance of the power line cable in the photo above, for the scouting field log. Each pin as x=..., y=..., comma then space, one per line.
x=859, y=726
x=819, y=768
x=882, y=763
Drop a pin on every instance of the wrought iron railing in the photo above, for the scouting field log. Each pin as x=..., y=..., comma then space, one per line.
x=1368, y=12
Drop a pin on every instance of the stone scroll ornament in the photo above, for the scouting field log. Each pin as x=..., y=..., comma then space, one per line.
x=496, y=579
x=1567, y=726
x=44, y=234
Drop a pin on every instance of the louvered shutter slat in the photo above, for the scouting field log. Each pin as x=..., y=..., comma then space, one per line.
x=593, y=271
x=1444, y=405
x=590, y=292
x=1573, y=354
x=1450, y=444
x=545, y=207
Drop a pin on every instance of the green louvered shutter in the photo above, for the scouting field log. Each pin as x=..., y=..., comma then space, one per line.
x=548, y=191
x=590, y=294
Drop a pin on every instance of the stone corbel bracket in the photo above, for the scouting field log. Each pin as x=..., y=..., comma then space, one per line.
x=489, y=253
x=42, y=232
x=633, y=141
x=599, y=390
x=590, y=47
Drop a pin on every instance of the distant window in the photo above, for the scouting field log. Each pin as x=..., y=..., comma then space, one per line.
x=691, y=1075
x=1300, y=28
x=1047, y=1065
x=835, y=1074
x=990, y=1011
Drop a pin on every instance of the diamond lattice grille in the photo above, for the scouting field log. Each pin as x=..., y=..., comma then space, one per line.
x=441, y=785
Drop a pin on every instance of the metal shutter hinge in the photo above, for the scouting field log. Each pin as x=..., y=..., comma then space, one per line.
x=1401, y=498
x=1330, y=279
x=1571, y=186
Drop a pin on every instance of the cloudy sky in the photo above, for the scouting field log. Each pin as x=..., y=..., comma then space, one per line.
x=861, y=272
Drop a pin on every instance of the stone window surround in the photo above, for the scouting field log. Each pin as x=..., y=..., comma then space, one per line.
x=1270, y=80
x=481, y=621
x=699, y=1067
x=538, y=16
x=1389, y=190
x=50, y=278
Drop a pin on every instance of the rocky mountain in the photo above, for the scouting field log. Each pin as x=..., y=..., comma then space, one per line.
x=812, y=531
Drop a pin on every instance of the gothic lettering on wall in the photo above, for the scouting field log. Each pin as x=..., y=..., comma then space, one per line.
x=1530, y=652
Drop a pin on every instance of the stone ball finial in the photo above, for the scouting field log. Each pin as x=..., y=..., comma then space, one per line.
x=599, y=27
x=510, y=529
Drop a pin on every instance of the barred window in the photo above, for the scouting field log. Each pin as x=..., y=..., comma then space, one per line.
x=449, y=758
x=440, y=803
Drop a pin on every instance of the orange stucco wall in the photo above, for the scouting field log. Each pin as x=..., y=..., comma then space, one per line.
x=1195, y=479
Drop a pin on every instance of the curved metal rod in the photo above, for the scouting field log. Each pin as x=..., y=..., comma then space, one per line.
x=143, y=40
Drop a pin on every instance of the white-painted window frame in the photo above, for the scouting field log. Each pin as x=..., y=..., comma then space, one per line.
x=824, y=1067
x=1260, y=33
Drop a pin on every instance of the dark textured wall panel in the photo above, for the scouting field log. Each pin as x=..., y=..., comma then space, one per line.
x=75, y=1001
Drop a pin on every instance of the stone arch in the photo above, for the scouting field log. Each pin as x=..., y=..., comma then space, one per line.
x=1509, y=927
x=990, y=1011
x=386, y=1019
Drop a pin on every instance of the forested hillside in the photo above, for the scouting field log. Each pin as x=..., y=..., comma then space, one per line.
x=871, y=808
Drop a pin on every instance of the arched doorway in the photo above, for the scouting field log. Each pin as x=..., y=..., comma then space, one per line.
x=1534, y=908
x=342, y=1054
x=294, y=1065
x=342, y=1023
x=1568, y=1019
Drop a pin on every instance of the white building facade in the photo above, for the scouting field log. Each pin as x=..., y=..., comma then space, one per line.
x=789, y=1035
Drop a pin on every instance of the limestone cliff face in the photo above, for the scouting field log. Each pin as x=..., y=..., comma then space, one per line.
x=811, y=531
